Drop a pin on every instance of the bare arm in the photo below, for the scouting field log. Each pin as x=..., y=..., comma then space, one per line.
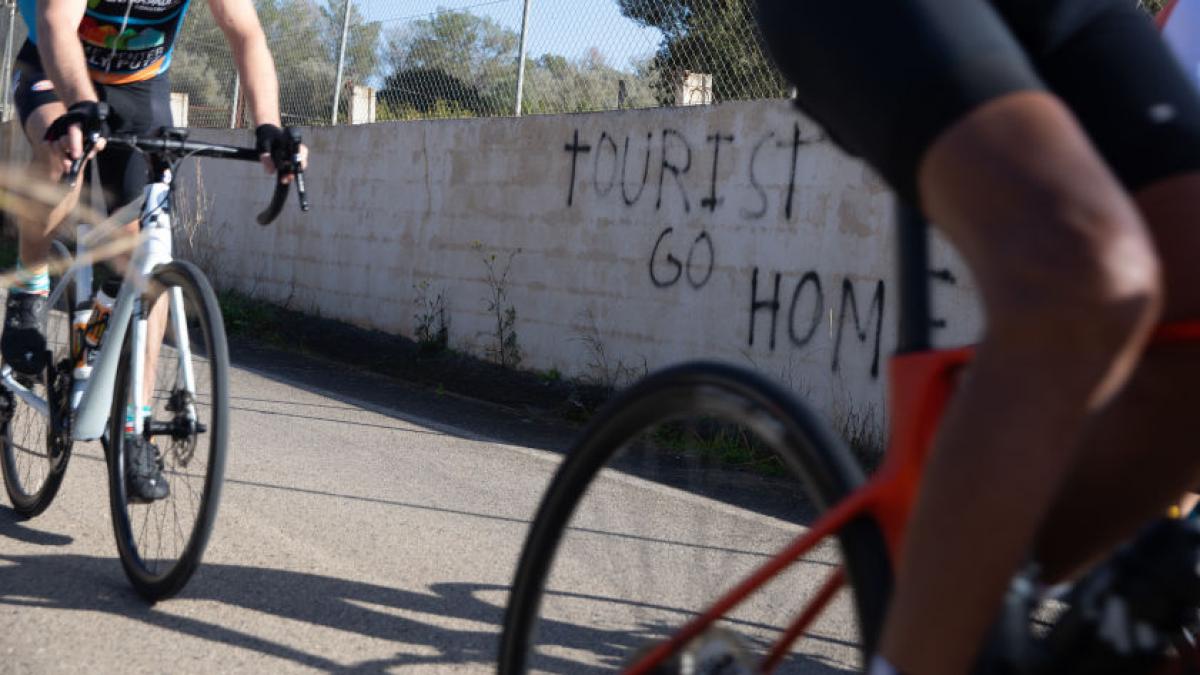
x=239, y=22
x=61, y=51
x=62, y=57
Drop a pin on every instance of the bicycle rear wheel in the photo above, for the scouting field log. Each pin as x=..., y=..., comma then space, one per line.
x=35, y=447
x=161, y=543
x=677, y=491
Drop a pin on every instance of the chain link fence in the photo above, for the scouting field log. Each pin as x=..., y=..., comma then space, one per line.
x=378, y=60
x=358, y=61
x=401, y=59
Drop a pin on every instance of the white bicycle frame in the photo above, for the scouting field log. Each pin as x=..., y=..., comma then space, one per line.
x=91, y=411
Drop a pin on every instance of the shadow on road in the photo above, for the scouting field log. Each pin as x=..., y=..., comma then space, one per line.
x=420, y=622
x=430, y=413
x=12, y=527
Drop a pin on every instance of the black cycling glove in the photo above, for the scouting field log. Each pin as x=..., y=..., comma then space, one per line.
x=91, y=116
x=281, y=144
x=271, y=140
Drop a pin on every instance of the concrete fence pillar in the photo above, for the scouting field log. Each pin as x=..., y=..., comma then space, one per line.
x=694, y=89
x=362, y=104
x=179, y=108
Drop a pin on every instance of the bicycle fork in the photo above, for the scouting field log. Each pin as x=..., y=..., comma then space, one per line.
x=185, y=379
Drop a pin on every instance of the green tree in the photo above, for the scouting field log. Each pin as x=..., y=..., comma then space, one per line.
x=304, y=38
x=362, y=46
x=462, y=64
x=466, y=61
x=202, y=67
x=719, y=37
x=555, y=84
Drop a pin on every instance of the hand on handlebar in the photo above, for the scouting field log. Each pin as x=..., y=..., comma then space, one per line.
x=79, y=134
x=283, y=154
x=280, y=152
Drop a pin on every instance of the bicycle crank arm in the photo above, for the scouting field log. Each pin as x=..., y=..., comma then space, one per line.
x=21, y=391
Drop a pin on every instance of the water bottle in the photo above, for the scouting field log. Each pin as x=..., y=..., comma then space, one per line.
x=98, y=320
x=80, y=318
x=90, y=324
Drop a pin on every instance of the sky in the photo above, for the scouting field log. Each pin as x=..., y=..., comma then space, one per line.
x=565, y=27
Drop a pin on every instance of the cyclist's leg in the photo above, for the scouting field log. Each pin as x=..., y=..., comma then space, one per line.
x=38, y=106
x=1065, y=265
x=1150, y=430
x=23, y=342
x=137, y=108
x=1070, y=285
x=123, y=170
x=1143, y=114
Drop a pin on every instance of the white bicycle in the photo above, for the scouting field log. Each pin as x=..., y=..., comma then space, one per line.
x=165, y=349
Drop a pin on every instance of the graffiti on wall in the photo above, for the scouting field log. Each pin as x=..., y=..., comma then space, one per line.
x=665, y=169
x=623, y=169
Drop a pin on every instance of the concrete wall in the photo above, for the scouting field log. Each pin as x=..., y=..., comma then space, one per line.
x=641, y=238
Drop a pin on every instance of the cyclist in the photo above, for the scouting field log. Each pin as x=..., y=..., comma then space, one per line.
x=1056, y=144
x=83, y=52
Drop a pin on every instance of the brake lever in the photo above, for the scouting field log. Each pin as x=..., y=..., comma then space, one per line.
x=297, y=166
x=89, y=143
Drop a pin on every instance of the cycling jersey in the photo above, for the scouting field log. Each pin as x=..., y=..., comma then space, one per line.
x=887, y=77
x=123, y=40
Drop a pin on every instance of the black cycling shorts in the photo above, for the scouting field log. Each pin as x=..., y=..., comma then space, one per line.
x=135, y=108
x=887, y=77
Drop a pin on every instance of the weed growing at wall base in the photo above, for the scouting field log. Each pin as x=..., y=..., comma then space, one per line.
x=604, y=369
x=504, y=350
x=862, y=431
x=431, y=322
x=727, y=444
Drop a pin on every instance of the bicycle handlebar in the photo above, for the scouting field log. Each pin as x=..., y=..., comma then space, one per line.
x=173, y=143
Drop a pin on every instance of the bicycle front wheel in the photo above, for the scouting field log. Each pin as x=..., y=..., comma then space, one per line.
x=678, y=490
x=186, y=386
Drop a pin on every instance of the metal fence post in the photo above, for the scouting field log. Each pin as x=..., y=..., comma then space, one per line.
x=521, y=57
x=10, y=7
x=337, y=84
x=233, y=101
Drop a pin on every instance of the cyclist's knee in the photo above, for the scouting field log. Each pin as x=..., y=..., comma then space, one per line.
x=1092, y=288
x=45, y=162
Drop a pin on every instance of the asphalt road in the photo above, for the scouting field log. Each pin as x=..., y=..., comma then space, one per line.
x=373, y=526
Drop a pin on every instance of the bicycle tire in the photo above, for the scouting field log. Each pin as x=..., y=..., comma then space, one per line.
x=32, y=480
x=163, y=575
x=813, y=453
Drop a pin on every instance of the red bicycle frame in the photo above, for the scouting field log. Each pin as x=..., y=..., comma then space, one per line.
x=920, y=385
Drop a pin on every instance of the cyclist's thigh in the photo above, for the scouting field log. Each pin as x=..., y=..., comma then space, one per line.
x=1141, y=110
x=887, y=77
x=37, y=107
x=1106, y=59
x=137, y=108
x=942, y=97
